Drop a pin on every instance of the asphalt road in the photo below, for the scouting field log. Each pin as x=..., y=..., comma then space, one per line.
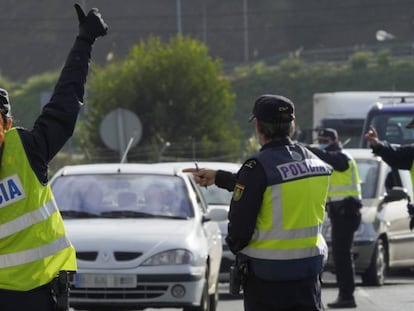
x=397, y=294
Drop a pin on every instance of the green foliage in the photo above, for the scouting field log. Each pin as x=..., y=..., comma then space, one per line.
x=25, y=98
x=180, y=95
x=383, y=58
x=360, y=60
x=290, y=65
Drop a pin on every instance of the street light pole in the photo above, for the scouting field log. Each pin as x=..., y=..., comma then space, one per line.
x=246, y=31
x=204, y=8
x=179, y=25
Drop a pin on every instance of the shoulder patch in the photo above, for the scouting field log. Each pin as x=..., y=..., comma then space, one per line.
x=238, y=192
x=250, y=164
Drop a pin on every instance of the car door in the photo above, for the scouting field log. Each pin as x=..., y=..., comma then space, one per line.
x=400, y=237
x=212, y=233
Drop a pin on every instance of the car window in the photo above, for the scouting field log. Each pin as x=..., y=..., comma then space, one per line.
x=201, y=201
x=368, y=173
x=126, y=195
x=216, y=195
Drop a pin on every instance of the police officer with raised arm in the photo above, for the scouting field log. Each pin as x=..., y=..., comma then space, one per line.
x=276, y=214
x=36, y=255
x=396, y=156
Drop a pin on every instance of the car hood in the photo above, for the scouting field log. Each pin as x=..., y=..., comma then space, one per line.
x=145, y=237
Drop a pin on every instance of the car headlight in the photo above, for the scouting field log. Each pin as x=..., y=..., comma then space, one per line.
x=172, y=257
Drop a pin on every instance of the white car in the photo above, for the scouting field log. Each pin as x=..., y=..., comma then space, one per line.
x=216, y=198
x=144, y=237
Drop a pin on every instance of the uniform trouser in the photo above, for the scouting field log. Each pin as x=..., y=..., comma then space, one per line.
x=297, y=295
x=38, y=299
x=342, y=234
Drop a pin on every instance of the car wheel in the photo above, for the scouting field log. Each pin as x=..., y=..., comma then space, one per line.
x=375, y=274
x=205, y=301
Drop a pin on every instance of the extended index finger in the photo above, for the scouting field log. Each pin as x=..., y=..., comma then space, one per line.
x=190, y=170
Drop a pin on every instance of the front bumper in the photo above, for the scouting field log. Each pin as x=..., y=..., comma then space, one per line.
x=152, y=290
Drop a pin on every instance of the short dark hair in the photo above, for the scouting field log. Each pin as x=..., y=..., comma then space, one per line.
x=275, y=131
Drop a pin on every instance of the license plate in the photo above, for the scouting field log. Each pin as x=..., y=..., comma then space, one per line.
x=105, y=280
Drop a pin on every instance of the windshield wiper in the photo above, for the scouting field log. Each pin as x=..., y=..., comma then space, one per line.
x=126, y=214
x=170, y=216
x=134, y=214
x=77, y=214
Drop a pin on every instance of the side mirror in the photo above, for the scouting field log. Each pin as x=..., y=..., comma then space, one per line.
x=216, y=214
x=396, y=194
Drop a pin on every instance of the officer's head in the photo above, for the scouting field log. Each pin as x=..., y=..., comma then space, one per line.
x=5, y=110
x=274, y=116
x=326, y=137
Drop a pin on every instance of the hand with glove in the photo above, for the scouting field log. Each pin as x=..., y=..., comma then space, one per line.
x=91, y=26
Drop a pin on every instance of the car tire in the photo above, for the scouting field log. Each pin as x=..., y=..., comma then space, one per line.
x=375, y=274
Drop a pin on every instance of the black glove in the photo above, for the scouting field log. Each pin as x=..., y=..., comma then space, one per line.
x=91, y=26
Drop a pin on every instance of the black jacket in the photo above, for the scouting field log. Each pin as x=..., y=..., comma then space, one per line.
x=56, y=123
x=400, y=157
x=332, y=155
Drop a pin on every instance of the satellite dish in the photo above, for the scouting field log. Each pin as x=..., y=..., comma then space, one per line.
x=382, y=35
x=118, y=127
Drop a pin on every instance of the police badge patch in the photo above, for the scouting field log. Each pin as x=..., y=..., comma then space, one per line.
x=238, y=192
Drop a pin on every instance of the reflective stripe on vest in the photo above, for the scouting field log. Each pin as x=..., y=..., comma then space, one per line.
x=345, y=184
x=290, y=218
x=28, y=219
x=34, y=254
x=33, y=243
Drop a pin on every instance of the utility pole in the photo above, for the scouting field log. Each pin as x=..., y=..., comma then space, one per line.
x=246, y=31
x=204, y=18
x=179, y=24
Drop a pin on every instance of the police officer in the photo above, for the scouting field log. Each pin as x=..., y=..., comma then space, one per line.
x=399, y=157
x=343, y=206
x=35, y=252
x=276, y=213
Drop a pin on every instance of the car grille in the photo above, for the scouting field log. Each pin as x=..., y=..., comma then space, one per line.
x=124, y=256
x=88, y=256
x=119, y=256
x=139, y=292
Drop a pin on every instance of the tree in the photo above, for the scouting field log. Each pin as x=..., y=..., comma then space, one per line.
x=180, y=95
x=26, y=98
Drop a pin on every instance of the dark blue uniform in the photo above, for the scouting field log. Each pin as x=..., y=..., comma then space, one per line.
x=260, y=294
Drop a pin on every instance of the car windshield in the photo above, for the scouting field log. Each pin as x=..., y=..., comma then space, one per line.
x=368, y=173
x=216, y=195
x=122, y=196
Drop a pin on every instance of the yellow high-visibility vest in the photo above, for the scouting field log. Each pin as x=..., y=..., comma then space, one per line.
x=345, y=184
x=290, y=219
x=33, y=242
